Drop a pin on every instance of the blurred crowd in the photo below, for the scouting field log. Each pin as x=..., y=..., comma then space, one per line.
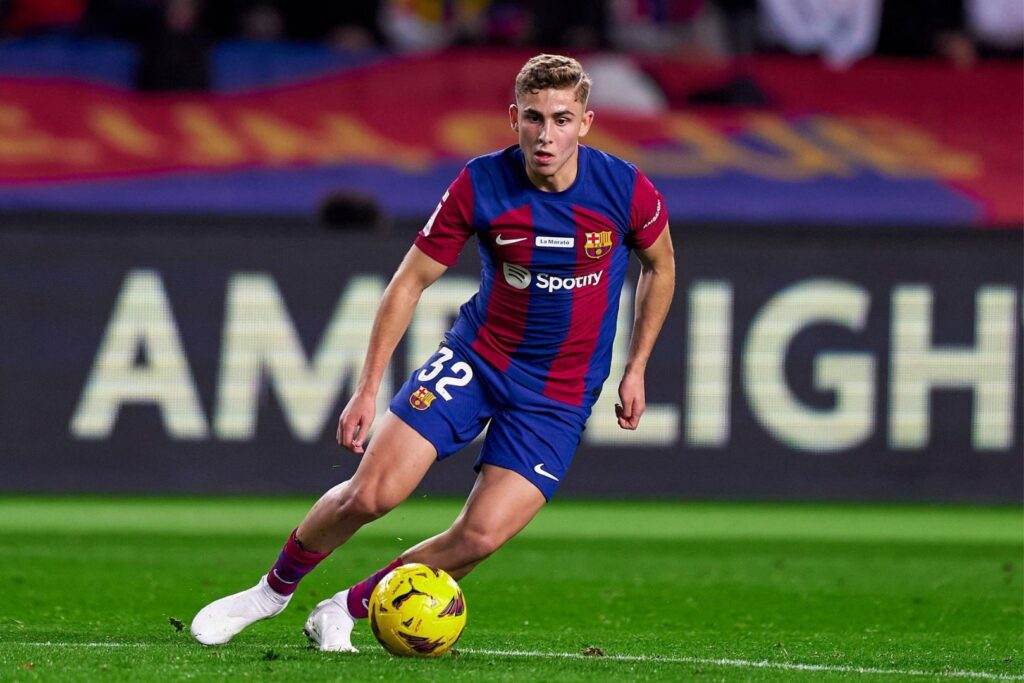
x=177, y=34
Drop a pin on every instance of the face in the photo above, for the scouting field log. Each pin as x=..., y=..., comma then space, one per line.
x=550, y=124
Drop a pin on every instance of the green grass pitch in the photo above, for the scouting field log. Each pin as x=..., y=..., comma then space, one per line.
x=666, y=591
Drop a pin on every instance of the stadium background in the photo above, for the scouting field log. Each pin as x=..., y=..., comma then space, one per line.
x=202, y=204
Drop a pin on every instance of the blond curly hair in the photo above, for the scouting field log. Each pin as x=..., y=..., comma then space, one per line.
x=553, y=71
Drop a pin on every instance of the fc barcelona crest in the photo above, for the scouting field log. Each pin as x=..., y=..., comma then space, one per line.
x=421, y=398
x=598, y=243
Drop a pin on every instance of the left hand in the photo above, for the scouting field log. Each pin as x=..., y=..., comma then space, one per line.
x=633, y=403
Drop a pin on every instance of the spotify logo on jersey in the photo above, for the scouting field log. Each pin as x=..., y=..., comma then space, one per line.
x=520, y=278
x=516, y=276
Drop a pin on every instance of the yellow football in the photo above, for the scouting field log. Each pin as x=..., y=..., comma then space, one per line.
x=417, y=611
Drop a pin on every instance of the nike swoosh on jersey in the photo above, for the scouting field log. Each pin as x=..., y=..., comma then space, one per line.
x=502, y=242
x=539, y=469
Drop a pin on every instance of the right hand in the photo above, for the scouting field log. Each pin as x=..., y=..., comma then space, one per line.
x=355, y=421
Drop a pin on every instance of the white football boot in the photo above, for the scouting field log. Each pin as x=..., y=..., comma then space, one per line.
x=223, y=619
x=330, y=625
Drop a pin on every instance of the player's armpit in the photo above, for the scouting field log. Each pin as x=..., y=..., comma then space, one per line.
x=660, y=256
x=418, y=270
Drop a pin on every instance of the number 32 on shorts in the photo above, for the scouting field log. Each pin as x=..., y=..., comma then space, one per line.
x=460, y=375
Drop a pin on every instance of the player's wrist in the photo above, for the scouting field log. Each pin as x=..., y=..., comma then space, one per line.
x=635, y=369
x=367, y=390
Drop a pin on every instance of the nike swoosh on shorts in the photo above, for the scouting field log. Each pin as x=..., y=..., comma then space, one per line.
x=539, y=469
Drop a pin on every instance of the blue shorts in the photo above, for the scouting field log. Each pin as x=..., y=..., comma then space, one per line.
x=455, y=394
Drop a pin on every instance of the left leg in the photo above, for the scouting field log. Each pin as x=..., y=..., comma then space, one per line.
x=525, y=455
x=513, y=484
x=500, y=505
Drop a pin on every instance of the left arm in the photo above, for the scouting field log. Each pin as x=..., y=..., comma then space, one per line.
x=654, y=292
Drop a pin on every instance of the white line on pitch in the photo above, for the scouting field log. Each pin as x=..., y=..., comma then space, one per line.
x=750, y=664
x=700, y=661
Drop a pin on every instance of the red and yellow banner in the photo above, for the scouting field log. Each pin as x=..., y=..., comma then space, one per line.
x=904, y=122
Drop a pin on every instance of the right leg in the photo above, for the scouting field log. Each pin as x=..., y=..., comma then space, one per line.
x=501, y=504
x=395, y=462
x=447, y=420
x=526, y=453
x=392, y=467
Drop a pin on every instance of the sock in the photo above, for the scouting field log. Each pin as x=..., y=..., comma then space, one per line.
x=359, y=594
x=292, y=564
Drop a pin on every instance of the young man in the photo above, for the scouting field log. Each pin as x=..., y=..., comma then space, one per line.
x=528, y=354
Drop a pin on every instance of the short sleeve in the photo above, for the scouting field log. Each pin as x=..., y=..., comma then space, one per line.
x=451, y=224
x=647, y=214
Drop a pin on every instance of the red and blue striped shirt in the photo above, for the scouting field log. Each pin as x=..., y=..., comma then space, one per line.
x=553, y=265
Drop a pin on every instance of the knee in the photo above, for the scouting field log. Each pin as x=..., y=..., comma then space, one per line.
x=364, y=502
x=477, y=544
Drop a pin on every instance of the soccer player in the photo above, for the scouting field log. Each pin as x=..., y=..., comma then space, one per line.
x=555, y=222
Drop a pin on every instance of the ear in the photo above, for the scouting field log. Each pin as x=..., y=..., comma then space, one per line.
x=513, y=116
x=588, y=119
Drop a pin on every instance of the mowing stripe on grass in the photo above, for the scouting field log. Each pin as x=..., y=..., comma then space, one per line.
x=700, y=661
x=833, y=522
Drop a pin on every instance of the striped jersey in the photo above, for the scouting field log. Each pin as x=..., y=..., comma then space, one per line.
x=552, y=265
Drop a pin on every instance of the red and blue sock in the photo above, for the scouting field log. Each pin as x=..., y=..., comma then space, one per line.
x=292, y=564
x=359, y=594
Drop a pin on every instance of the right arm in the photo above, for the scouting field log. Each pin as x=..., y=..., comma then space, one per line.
x=416, y=272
